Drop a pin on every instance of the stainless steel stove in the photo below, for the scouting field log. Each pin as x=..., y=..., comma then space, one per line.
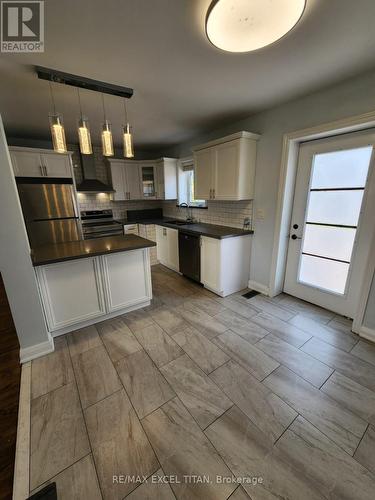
x=99, y=223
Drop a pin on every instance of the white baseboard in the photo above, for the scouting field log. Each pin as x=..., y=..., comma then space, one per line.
x=258, y=287
x=35, y=351
x=367, y=333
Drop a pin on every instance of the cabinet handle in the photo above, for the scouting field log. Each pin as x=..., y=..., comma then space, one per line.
x=214, y=193
x=210, y=194
x=45, y=171
x=41, y=170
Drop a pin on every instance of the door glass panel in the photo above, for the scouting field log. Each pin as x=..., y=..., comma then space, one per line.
x=334, y=207
x=148, y=181
x=334, y=242
x=334, y=203
x=341, y=169
x=323, y=273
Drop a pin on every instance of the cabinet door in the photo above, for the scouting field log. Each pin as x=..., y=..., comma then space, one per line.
x=160, y=185
x=162, y=244
x=203, y=169
x=118, y=181
x=172, y=238
x=127, y=280
x=147, y=174
x=211, y=263
x=132, y=181
x=27, y=164
x=226, y=171
x=56, y=165
x=72, y=292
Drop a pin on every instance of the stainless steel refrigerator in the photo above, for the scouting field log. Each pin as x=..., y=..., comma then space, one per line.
x=49, y=210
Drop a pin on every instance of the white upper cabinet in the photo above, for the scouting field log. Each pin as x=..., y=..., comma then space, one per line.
x=225, y=168
x=203, y=166
x=144, y=180
x=29, y=162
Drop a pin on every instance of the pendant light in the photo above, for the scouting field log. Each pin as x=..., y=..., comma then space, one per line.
x=84, y=135
x=127, y=136
x=57, y=128
x=243, y=26
x=107, y=140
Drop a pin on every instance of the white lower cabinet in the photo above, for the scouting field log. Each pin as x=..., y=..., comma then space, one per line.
x=76, y=293
x=167, y=247
x=126, y=280
x=225, y=264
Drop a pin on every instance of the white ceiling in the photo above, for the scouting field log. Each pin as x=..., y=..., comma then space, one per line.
x=183, y=85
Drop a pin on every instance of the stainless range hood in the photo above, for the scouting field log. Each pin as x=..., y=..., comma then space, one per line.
x=90, y=183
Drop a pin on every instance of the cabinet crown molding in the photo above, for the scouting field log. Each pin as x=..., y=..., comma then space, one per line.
x=238, y=135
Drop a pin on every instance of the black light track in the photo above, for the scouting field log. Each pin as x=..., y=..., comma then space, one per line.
x=53, y=75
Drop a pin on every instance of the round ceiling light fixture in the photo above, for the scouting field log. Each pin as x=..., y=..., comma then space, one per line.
x=246, y=25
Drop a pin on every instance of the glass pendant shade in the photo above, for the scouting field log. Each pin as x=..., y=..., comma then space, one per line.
x=128, y=142
x=57, y=133
x=107, y=140
x=244, y=25
x=84, y=137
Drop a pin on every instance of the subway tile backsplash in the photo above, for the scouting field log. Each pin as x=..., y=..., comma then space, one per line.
x=222, y=213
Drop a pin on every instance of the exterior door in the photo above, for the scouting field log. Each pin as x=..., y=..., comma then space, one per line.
x=203, y=169
x=332, y=221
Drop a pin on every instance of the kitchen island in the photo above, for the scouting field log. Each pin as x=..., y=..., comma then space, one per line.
x=83, y=282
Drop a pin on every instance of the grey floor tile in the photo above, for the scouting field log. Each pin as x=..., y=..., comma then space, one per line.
x=76, y=482
x=58, y=436
x=336, y=422
x=236, y=306
x=244, y=327
x=282, y=329
x=342, y=324
x=119, y=445
x=204, y=353
x=152, y=489
x=143, y=382
x=343, y=362
x=202, y=321
x=248, y=452
x=51, y=371
x=337, y=475
x=204, y=400
x=365, y=351
x=304, y=365
x=82, y=340
x=168, y=320
x=266, y=305
x=160, y=346
x=352, y=395
x=183, y=449
x=96, y=375
x=248, y=356
x=118, y=338
x=305, y=308
x=365, y=453
x=266, y=410
x=206, y=304
x=136, y=320
x=338, y=339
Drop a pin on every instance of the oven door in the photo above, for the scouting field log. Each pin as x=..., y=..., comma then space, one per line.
x=99, y=231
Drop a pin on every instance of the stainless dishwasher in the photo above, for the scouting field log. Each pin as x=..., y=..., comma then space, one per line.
x=189, y=248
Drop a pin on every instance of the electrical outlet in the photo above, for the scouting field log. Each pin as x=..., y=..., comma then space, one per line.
x=260, y=215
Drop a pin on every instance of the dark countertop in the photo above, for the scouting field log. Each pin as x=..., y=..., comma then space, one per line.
x=59, y=252
x=210, y=230
x=200, y=228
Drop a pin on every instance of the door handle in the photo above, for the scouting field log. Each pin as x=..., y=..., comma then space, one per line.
x=295, y=237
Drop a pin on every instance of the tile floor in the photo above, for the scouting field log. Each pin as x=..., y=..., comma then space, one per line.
x=204, y=397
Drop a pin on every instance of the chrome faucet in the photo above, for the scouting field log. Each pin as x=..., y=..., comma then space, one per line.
x=189, y=216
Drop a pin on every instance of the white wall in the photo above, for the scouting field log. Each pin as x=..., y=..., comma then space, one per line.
x=352, y=97
x=15, y=262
